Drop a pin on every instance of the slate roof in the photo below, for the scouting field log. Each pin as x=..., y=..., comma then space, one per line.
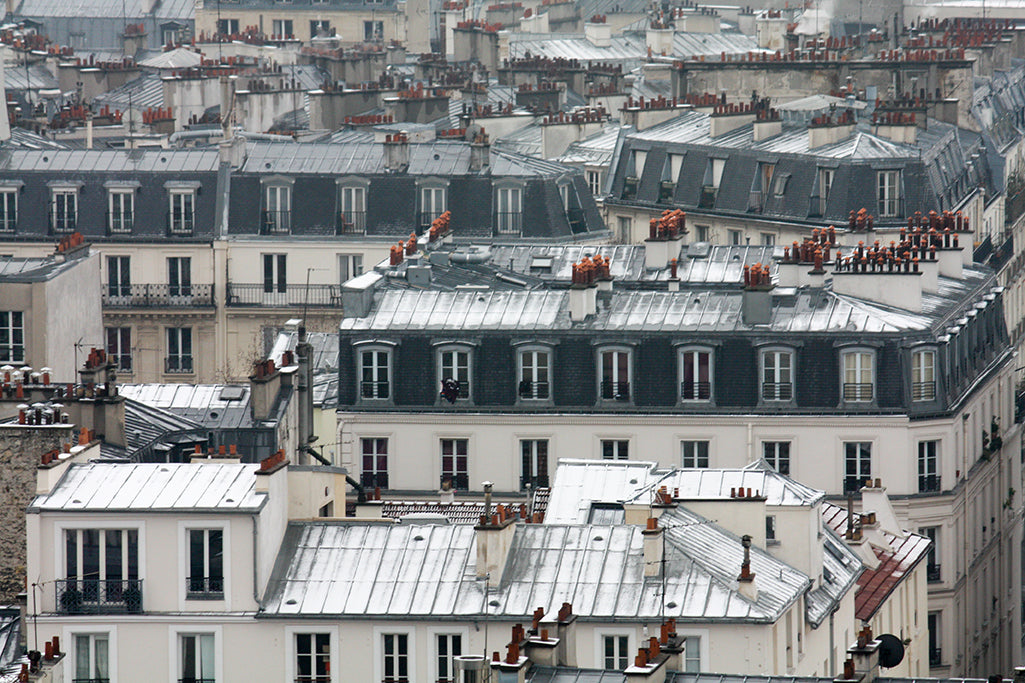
x=144, y=92
x=627, y=48
x=174, y=9
x=594, y=150
x=146, y=425
x=33, y=269
x=896, y=562
x=353, y=570
x=145, y=487
x=310, y=5
x=203, y=405
x=113, y=161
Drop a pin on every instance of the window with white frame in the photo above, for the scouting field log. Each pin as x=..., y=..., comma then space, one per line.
x=735, y=237
x=615, y=652
x=928, y=466
x=433, y=203
x=694, y=454
x=857, y=465
x=182, y=214
x=349, y=266
x=615, y=449
x=64, y=209
x=120, y=210
x=923, y=375
x=227, y=27
x=196, y=652
x=594, y=182
x=374, y=465
x=395, y=653
x=777, y=375
x=275, y=273
x=564, y=195
x=768, y=239
x=179, y=276
x=119, y=277
x=777, y=454
x=858, y=375
x=932, y=566
x=692, y=654
x=615, y=374
x=179, y=350
x=312, y=658
x=375, y=373
x=447, y=646
x=534, y=463
x=702, y=233
x=319, y=27
x=277, y=209
x=92, y=657
x=508, y=210
x=696, y=374
x=373, y=31
x=888, y=193
x=119, y=347
x=455, y=463
x=8, y=209
x=454, y=364
x=826, y=176
x=352, y=209
x=101, y=567
x=535, y=374
x=206, y=564
x=282, y=28
x=770, y=528
x=12, y=336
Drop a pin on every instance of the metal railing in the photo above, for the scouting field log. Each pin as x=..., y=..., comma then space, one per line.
x=90, y=680
x=8, y=223
x=175, y=365
x=539, y=480
x=777, y=391
x=458, y=480
x=98, y=596
x=374, y=389
x=928, y=483
x=695, y=391
x=313, y=679
x=463, y=390
x=193, y=679
x=372, y=480
x=204, y=587
x=427, y=217
x=534, y=390
x=276, y=222
x=615, y=391
x=180, y=224
x=294, y=296
x=159, y=296
x=932, y=573
x=120, y=221
x=923, y=391
x=63, y=225
x=351, y=223
x=508, y=222
x=853, y=391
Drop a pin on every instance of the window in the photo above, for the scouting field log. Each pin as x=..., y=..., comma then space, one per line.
x=615, y=449
x=770, y=528
x=935, y=639
x=92, y=658
x=779, y=187
x=826, y=176
x=616, y=652
x=64, y=210
x=179, y=276
x=928, y=466
x=119, y=347
x=858, y=376
x=320, y=27
x=534, y=458
x=857, y=465
x=119, y=279
x=624, y=229
x=615, y=375
x=564, y=196
x=765, y=173
x=352, y=209
x=534, y=375
x=277, y=211
x=454, y=463
x=692, y=654
x=594, y=182
x=182, y=215
x=432, y=204
x=274, y=273
x=702, y=233
x=694, y=454
x=374, y=471
x=282, y=28
x=101, y=570
x=448, y=646
x=373, y=30
x=695, y=375
x=932, y=567
x=349, y=266
x=454, y=364
x=374, y=374
x=12, y=336
x=923, y=376
x=170, y=36
x=197, y=657
x=206, y=564
x=313, y=658
x=179, y=350
x=777, y=375
x=735, y=236
x=8, y=209
x=228, y=27
x=713, y=174
x=509, y=211
x=768, y=239
x=888, y=193
x=777, y=454
x=120, y=210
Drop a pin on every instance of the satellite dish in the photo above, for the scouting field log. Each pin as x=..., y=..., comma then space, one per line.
x=132, y=119
x=891, y=651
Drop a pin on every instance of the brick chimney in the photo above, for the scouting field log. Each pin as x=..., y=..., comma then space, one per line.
x=746, y=580
x=264, y=386
x=495, y=532
x=665, y=239
x=480, y=152
x=396, y=152
x=757, y=297
x=583, y=292
x=653, y=547
x=597, y=31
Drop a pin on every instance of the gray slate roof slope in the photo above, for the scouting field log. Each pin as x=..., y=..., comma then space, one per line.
x=171, y=9
x=115, y=161
x=841, y=568
x=359, y=570
x=145, y=424
x=202, y=404
x=33, y=269
x=144, y=487
x=574, y=675
x=594, y=150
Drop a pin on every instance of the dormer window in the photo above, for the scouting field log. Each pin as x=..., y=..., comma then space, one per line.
x=614, y=382
x=923, y=375
x=508, y=210
x=120, y=207
x=277, y=208
x=535, y=374
x=433, y=201
x=9, y=205
x=888, y=193
x=64, y=207
x=777, y=375
x=375, y=372
x=858, y=376
x=181, y=216
x=352, y=206
x=454, y=366
x=696, y=374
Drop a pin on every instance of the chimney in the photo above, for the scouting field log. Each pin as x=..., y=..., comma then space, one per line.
x=665, y=239
x=480, y=152
x=883, y=275
x=650, y=664
x=728, y=117
x=598, y=32
x=470, y=668
x=830, y=128
x=565, y=631
x=659, y=41
x=767, y=124
x=264, y=386
x=746, y=580
x=864, y=653
x=495, y=533
x=653, y=547
x=512, y=668
x=757, y=296
x=583, y=292
x=896, y=126
x=542, y=648
x=270, y=466
x=875, y=498
x=396, y=152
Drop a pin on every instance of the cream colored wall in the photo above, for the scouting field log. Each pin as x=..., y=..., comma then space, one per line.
x=905, y=615
x=348, y=25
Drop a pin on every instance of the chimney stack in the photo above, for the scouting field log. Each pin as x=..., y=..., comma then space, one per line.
x=653, y=547
x=665, y=238
x=583, y=292
x=746, y=580
x=757, y=296
x=396, y=152
x=495, y=532
x=480, y=152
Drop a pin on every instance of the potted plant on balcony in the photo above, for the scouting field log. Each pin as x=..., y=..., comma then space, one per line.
x=71, y=600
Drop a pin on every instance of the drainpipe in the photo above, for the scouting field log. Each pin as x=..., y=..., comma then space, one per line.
x=750, y=443
x=832, y=645
x=256, y=562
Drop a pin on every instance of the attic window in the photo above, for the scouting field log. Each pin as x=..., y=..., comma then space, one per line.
x=780, y=187
x=232, y=394
x=606, y=513
x=541, y=263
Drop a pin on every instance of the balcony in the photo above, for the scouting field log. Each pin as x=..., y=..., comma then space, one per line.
x=63, y=225
x=159, y=296
x=858, y=392
x=923, y=391
x=90, y=680
x=98, y=596
x=777, y=391
x=193, y=679
x=275, y=222
x=695, y=391
x=615, y=391
x=373, y=480
x=534, y=390
x=313, y=679
x=935, y=656
x=8, y=223
x=120, y=222
x=928, y=483
x=294, y=296
x=459, y=481
x=426, y=218
x=180, y=223
x=351, y=223
x=178, y=365
x=374, y=390
x=508, y=222
x=204, y=588
x=932, y=573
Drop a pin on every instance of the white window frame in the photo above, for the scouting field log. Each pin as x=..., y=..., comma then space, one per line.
x=859, y=355
x=695, y=457
x=352, y=263
x=617, y=349
x=682, y=355
x=174, y=634
x=617, y=442
x=375, y=438
x=86, y=629
x=277, y=203
x=439, y=356
x=433, y=198
x=826, y=178
x=352, y=205
x=60, y=197
x=861, y=474
x=117, y=352
x=376, y=348
x=888, y=192
x=432, y=636
x=509, y=210
x=181, y=218
x=120, y=202
x=595, y=181
x=379, y=633
x=281, y=24
x=291, y=650
x=9, y=208
x=200, y=637
x=202, y=605
x=179, y=277
x=931, y=463
x=923, y=373
x=778, y=373
x=10, y=330
x=192, y=349
x=774, y=463
x=522, y=368
x=455, y=455
x=734, y=237
x=599, y=644
x=703, y=647
x=534, y=456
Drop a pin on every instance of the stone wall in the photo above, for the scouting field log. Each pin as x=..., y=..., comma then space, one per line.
x=20, y=451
